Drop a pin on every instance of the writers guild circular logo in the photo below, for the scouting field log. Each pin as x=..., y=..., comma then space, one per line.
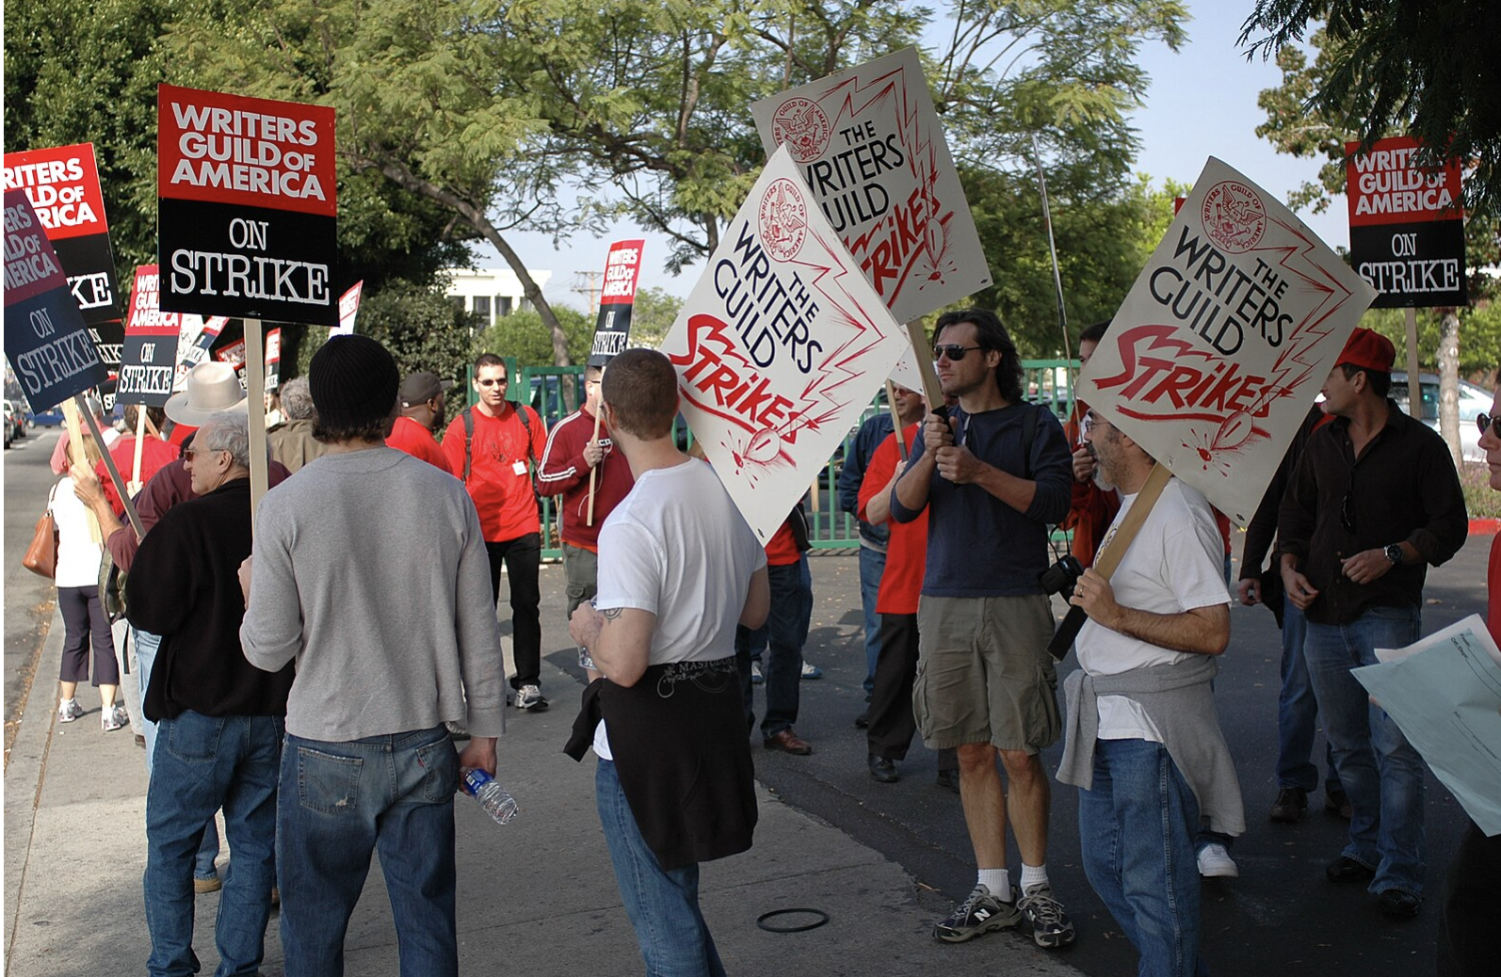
x=783, y=219
x=800, y=125
x=1234, y=217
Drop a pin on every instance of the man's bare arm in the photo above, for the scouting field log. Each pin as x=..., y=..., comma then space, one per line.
x=757, y=600
x=1198, y=631
x=618, y=639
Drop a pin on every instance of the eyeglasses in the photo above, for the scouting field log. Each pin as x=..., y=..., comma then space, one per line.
x=1088, y=423
x=953, y=351
x=493, y=382
x=189, y=453
x=1485, y=422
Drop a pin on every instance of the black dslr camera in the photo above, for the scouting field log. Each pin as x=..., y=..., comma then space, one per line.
x=1061, y=576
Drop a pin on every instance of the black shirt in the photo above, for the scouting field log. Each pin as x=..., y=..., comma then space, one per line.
x=1402, y=488
x=184, y=585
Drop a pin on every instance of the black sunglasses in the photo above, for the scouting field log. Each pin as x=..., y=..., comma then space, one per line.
x=953, y=351
x=1485, y=422
x=493, y=383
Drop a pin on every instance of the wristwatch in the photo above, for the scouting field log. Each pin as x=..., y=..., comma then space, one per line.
x=1394, y=553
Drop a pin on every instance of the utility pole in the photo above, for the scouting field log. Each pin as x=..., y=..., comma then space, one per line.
x=590, y=288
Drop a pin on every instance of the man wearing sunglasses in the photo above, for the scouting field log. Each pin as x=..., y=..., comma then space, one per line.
x=493, y=448
x=992, y=475
x=1374, y=501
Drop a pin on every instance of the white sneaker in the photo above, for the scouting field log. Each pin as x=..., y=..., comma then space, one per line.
x=115, y=717
x=68, y=710
x=530, y=697
x=756, y=676
x=1215, y=863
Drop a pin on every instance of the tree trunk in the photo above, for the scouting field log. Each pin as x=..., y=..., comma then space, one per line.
x=399, y=174
x=1448, y=383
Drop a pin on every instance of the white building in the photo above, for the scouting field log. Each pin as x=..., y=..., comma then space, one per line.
x=490, y=293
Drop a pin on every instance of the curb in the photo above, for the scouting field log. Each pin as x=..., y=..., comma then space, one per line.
x=1485, y=527
x=28, y=765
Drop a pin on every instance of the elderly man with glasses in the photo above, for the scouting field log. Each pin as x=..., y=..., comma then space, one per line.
x=1374, y=501
x=992, y=474
x=220, y=719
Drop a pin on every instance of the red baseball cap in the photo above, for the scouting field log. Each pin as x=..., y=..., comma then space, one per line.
x=1369, y=349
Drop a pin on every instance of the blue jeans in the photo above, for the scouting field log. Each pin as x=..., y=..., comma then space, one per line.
x=662, y=906
x=1136, y=829
x=872, y=566
x=146, y=646
x=1381, y=772
x=783, y=635
x=204, y=763
x=1298, y=712
x=340, y=802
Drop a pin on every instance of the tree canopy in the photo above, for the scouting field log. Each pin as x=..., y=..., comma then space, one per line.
x=1427, y=69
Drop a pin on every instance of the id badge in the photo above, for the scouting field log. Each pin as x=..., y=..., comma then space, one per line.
x=519, y=468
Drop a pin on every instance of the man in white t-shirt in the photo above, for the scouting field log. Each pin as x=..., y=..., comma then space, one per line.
x=678, y=570
x=1143, y=740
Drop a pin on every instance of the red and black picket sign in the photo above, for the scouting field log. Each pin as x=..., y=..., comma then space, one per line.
x=248, y=212
x=613, y=328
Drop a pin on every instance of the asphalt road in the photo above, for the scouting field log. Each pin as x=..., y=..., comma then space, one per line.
x=1279, y=917
x=28, y=597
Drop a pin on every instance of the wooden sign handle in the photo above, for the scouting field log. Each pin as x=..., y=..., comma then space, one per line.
x=593, y=472
x=135, y=475
x=255, y=381
x=930, y=386
x=114, y=473
x=1111, y=552
x=896, y=419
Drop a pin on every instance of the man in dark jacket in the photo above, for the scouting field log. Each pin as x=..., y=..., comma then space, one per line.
x=219, y=718
x=1373, y=503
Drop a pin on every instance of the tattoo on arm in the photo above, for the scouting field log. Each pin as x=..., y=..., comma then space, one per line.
x=612, y=613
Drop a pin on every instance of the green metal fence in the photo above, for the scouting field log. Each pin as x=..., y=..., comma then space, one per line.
x=550, y=391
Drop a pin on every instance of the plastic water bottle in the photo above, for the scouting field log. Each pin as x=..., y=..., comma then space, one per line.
x=493, y=798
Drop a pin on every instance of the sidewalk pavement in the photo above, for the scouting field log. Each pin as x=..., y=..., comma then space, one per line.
x=536, y=896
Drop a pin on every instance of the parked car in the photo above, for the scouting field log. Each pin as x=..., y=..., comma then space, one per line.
x=1474, y=400
x=47, y=418
x=12, y=424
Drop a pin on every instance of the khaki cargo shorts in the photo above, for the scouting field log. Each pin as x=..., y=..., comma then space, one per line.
x=984, y=674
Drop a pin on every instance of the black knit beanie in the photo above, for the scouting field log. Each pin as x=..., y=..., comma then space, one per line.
x=353, y=380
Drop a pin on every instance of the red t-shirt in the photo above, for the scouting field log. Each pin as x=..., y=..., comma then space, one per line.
x=155, y=453
x=500, y=482
x=781, y=549
x=409, y=436
x=907, y=547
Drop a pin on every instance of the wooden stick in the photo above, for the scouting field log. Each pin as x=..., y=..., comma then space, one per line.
x=896, y=419
x=255, y=377
x=1111, y=552
x=593, y=472
x=1414, y=383
x=114, y=474
x=930, y=386
x=135, y=475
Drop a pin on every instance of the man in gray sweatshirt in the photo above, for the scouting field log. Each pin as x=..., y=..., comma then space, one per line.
x=370, y=571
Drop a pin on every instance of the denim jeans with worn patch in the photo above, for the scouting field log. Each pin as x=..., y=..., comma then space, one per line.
x=145, y=645
x=1136, y=828
x=1382, y=774
x=204, y=763
x=662, y=906
x=339, y=803
x=872, y=566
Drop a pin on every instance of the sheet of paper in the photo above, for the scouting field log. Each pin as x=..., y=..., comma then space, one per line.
x=1444, y=693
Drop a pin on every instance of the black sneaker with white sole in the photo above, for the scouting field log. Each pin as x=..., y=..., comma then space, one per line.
x=530, y=698
x=980, y=913
x=1051, y=926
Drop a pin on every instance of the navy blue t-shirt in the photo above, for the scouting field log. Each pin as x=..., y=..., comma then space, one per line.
x=978, y=546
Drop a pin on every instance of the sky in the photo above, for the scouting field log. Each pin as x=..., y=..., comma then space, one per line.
x=1201, y=103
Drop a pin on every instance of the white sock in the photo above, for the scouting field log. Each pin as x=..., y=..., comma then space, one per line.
x=65, y=702
x=998, y=881
x=1033, y=875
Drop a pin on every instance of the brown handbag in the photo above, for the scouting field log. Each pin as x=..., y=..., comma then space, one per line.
x=41, y=555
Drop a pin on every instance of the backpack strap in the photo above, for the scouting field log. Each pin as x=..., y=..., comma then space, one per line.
x=468, y=415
